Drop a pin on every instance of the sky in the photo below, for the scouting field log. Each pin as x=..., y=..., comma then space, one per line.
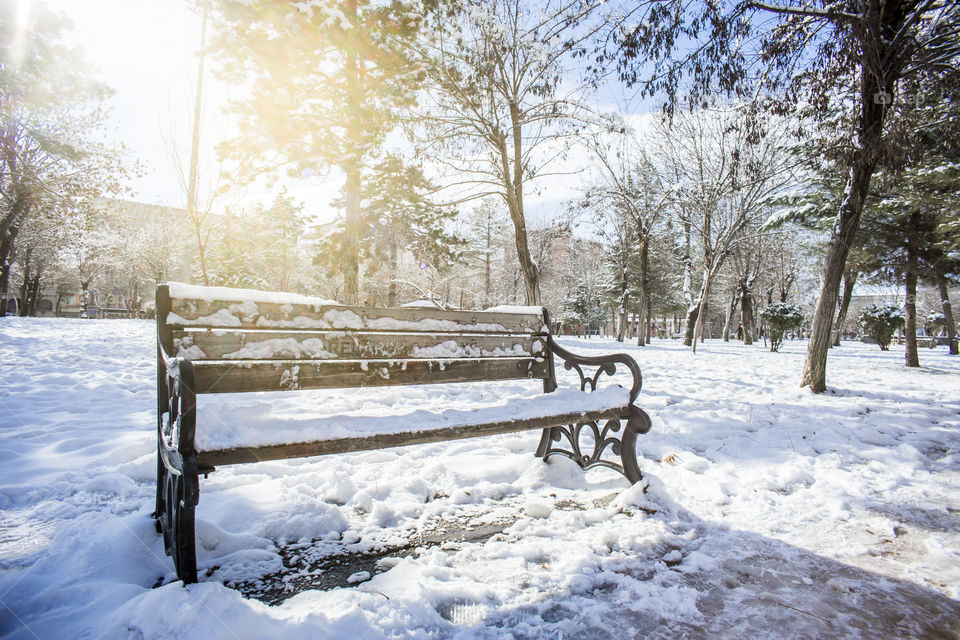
x=146, y=50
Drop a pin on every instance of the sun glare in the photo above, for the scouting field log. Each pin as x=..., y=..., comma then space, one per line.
x=20, y=36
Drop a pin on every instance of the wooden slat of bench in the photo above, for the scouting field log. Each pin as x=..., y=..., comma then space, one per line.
x=224, y=376
x=266, y=315
x=323, y=447
x=332, y=345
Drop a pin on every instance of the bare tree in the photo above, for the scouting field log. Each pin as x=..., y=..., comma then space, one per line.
x=202, y=178
x=633, y=197
x=725, y=164
x=500, y=100
x=796, y=53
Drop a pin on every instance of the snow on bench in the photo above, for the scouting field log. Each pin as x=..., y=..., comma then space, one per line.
x=246, y=431
x=223, y=342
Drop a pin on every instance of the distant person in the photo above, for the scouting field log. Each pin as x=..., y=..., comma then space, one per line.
x=739, y=332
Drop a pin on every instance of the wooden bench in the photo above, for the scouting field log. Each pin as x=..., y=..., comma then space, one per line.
x=214, y=340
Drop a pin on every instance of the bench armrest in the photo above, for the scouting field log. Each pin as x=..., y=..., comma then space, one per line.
x=605, y=364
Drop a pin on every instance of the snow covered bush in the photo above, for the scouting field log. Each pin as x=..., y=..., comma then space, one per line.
x=880, y=320
x=780, y=318
x=935, y=323
x=582, y=311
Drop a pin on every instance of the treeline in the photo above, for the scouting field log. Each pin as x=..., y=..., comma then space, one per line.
x=53, y=162
x=800, y=148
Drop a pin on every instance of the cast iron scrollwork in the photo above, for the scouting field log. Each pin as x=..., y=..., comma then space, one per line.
x=609, y=436
x=605, y=364
x=601, y=440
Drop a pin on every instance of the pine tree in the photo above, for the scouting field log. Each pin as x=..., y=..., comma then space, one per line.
x=398, y=216
x=327, y=79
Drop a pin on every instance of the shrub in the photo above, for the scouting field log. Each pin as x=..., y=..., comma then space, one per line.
x=780, y=318
x=880, y=321
x=935, y=323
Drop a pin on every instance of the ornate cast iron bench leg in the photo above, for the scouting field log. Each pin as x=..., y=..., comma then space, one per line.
x=622, y=445
x=177, y=521
x=162, y=402
x=178, y=484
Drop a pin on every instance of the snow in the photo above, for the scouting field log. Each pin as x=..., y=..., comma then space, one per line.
x=454, y=349
x=255, y=419
x=359, y=576
x=765, y=511
x=531, y=311
x=421, y=304
x=342, y=318
x=180, y=290
x=274, y=348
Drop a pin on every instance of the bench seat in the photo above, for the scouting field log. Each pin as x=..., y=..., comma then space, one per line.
x=259, y=426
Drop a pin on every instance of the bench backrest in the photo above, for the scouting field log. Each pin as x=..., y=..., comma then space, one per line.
x=244, y=340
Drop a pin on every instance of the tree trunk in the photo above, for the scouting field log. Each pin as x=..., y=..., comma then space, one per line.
x=392, y=287
x=486, y=269
x=947, y=314
x=513, y=183
x=34, y=294
x=747, y=321
x=692, y=313
x=649, y=317
x=692, y=306
x=192, y=180
x=622, y=317
x=641, y=339
x=848, y=219
x=849, y=280
x=622, y=309
x=9, y=229
x=729, y=319
x=701, y=314
x=25, y=286
x=643, y=314
x=4, y=287
x=531, y=274
x=911, y=356
x=85, y=295
x=353, y=215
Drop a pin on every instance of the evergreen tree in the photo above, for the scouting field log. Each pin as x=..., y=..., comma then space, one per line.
x=398, y=216
x=781, y=317
x=488, y=229
x=265, y=254
x=880, y=321
x=327, y=79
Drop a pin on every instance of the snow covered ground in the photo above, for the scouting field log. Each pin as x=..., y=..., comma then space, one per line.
x=766, y=512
